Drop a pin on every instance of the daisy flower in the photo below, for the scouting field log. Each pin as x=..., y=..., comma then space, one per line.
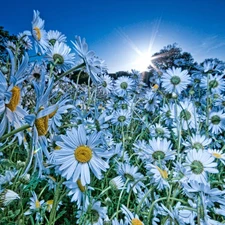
x=197, y=141
x=79, y=154
x=199, y=163
x=117, y=222
x=121, y=117
x=178, y=215
x=38, y=33
x=94, y=66
x=55, y=117
x=157, y=130
x=186, y=114
x=215, y=82
x=158, y=176
x=160, y=149
x=218, y=154
x=130, y=217
x=140, y=148
x=166, y=113
x=7, y=196
x=116, y=183
x=123, y=85
x=8, y=177
x=94, y=214
x=217, y=122
x=151, y=101
x=220, y=101
x=175, y=80
x=39, y=121
x=25, y=40
x=10, y=98
x=54, y=35
x=78, y=193
x=10, y=45
x=129, y=173
x=106, y=85
x=35, y=207
x=60, y=54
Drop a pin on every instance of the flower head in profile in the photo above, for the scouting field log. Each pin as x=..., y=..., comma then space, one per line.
x=7, y=196
x=77, y=191
x=79, y=154
x=94, y=66
x=38, y=33
x=116, y=183
x=94, y=214
x=218, y=154
x=175, y=80
x=130, y=217
x=25, y=40
x=130, y=174
x=158, y=176
x=197, y=141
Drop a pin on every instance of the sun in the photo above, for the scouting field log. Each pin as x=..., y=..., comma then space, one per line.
x=142, y=62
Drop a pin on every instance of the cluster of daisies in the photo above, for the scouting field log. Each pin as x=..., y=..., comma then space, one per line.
x=113, y=151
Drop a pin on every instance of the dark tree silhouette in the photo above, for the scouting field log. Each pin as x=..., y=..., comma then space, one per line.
x=4, y=37
x=172, y=55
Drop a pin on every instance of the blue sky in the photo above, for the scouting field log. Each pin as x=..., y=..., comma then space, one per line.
x=119, y=31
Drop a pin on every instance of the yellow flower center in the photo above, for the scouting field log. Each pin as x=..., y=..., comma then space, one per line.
x=38, y=33
x=136, y=221
x=42, y=125
x=217, y=155
x=51, y=177
x=81, y=187
x=49, y=202
x=37, y=204
x=53, y=113
x=57, y=147
x=83, y=154
x=14, y=101
x=49, y=205
x=155, y=86
x=163, y=173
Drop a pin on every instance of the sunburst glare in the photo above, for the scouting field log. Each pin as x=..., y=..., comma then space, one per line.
x=143, y=59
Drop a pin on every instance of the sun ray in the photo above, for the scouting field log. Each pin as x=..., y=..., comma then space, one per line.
x=144, y=59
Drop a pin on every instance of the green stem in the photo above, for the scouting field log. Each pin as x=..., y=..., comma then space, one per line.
x=108, y=188
x=14, y=132
x=121, y=193
x=178, y=131
x=207, y=106
x=123, y=141
x=78, y=78
x=55, y=203
x=158, y=200
x=128, y=199
x=142, y=200
x=89, y=92
x=69, y=71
